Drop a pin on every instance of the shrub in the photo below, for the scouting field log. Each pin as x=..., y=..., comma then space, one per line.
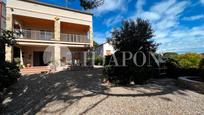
x=142, y=75
x=132, y=36
x=201, y=64
x=18, y=62
x=172, y=68
x=9, y=73
x=125, y=75
x=201, y=74
x=107, y=59
x=99, y=60
x=117, y=75
x=189, y=60
x=171, y=55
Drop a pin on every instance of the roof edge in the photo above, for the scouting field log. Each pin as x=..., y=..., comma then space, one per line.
x=55, y=6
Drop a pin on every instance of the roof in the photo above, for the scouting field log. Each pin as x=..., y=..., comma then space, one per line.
x=55, y=6
x=101, y=44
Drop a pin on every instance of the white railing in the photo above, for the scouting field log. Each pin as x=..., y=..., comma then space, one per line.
x=44, y=35
x=36, y=35
x=74, y=38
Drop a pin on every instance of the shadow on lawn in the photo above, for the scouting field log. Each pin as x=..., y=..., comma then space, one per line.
x=34, y=92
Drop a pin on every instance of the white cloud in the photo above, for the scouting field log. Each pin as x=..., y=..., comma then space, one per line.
x=192, y=18
x=202, y=1
x=139, y=6
x=113, y=20
x=101, y=37
x=111, y=5
x=161, y=7
x=184, y=40
x=165, y=18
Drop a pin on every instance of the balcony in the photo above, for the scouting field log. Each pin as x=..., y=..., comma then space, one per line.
x=36, y=35
x=74, y=38
x=44, y=35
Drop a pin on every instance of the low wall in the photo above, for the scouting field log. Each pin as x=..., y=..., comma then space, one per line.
x=186, y=82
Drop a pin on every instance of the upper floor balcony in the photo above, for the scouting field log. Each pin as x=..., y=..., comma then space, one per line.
x=36, y=35
x=41, y=29
x=45, y=35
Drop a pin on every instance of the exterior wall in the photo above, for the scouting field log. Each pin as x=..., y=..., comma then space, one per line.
x=106, y=47
x=45, y=12
x=57, y=16
x=101, y=50
x=3, y=14
x=28, y=53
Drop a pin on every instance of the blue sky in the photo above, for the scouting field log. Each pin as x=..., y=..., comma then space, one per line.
x=178, y=24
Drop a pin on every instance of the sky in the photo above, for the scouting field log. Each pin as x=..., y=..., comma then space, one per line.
x=178, y=24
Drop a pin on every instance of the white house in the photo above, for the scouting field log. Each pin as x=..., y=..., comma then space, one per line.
x=104, y=49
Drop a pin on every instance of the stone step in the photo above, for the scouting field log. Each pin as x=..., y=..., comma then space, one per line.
x=34, y=70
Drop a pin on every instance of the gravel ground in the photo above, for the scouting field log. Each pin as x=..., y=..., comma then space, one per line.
x=80, y=92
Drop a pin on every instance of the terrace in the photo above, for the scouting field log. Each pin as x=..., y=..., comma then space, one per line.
x=40, y=29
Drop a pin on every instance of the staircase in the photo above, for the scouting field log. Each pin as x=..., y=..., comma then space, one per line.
x=35, y=70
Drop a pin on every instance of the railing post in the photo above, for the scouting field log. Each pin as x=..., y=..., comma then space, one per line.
x=45, y=35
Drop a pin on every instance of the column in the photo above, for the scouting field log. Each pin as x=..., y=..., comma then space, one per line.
x=57, y=55
x=9, y=53
x=9, y=20
x=91, y=35
x=21, y=57
x=9, y=26
x=57, y=29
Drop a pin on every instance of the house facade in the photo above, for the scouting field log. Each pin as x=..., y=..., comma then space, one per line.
x=105, y=49
x=48, y=33
x=3, y=14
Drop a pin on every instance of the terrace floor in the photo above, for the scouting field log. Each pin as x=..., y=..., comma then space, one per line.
x=81, y=92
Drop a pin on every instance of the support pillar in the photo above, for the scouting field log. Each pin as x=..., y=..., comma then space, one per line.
x=57, y=29
x=57, y=56
x=9, y=20
x=91, y=36
x=21, y=57
x=9, y=26
x=9, y=53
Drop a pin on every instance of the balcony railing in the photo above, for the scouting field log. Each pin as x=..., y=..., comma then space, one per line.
x=44, y=35
x=36, y=35
x=74, y=38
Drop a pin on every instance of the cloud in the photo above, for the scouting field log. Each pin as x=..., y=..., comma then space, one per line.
x=113, y=20
x=111, y=5
x=139, y=6
x=165, y=17
x=192, y=18
x=100, y=37
x=184, y=40
x=202, y=1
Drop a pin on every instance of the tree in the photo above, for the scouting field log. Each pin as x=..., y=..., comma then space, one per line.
x=7, y=38
x=89, y=4
x=95, y=44
x=133, y=35
x=9, y=72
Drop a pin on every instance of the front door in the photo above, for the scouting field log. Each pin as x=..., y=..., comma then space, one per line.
x=38, y=59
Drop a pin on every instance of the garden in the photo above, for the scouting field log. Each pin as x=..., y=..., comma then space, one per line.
x=135, y=47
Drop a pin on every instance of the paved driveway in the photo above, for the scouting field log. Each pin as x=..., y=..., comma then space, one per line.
x=80, y=92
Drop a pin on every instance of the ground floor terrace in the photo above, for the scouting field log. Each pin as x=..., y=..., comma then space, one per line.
x=39, y=56
x=81, y=92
